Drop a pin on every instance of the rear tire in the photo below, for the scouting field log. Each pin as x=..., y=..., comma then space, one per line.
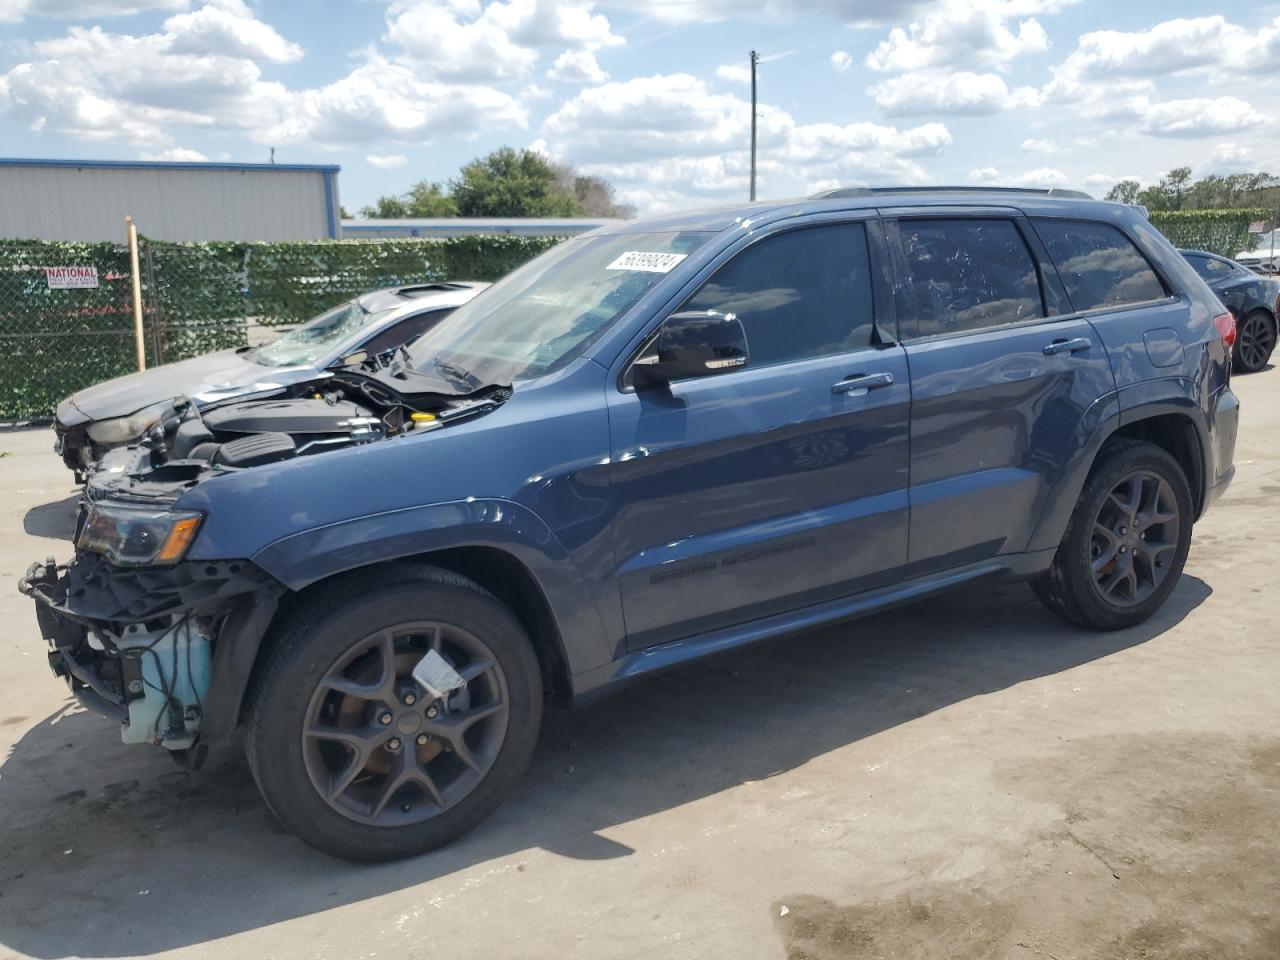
x=1127, y=540
x=352, y=755
x=1255, y=341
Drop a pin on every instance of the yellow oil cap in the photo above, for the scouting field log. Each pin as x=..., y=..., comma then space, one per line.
x=418, y=417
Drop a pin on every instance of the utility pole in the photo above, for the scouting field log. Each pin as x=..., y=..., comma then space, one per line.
x=755, y=59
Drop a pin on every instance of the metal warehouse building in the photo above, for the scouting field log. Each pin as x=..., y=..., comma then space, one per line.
x=472, y=227
x=89, y=199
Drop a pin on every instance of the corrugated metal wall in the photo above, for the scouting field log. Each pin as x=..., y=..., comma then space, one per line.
x=64, y=201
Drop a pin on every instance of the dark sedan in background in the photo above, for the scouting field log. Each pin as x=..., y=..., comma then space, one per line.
x=1252, y=299
x=117, y=412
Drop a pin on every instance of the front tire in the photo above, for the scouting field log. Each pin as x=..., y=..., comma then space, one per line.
x=352, y=755
x=1126, y=543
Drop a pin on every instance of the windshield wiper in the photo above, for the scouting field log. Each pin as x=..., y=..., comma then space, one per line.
x=458, y=375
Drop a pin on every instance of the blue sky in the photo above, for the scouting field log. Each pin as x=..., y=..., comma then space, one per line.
x=651, y=94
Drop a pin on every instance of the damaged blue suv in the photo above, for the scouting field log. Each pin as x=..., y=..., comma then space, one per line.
x=655, y=442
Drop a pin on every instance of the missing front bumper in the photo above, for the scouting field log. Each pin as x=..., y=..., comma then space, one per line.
x=145, y=646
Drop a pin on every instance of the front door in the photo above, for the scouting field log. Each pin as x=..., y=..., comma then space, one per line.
x=778, y=485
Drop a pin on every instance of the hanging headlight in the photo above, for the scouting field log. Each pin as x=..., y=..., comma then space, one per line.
x=119, y=430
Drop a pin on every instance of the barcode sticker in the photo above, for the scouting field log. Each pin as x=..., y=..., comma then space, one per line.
x=647, y=262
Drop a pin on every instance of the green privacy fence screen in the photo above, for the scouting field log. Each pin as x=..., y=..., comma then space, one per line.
x=1224, y=232
x=56, y=339
x=62, y=330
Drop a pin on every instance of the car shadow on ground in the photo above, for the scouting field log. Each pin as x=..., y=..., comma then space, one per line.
x=109, y=850
x=56, y=521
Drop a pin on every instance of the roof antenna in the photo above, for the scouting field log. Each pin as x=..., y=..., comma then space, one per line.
x=273, y=155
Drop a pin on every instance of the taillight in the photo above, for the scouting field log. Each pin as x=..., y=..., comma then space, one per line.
x=1225, y=324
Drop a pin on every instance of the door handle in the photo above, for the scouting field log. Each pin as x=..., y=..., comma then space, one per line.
x=858, y=384
x=1074, y=345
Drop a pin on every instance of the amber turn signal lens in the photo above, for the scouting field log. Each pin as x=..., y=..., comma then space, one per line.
x=180, y=537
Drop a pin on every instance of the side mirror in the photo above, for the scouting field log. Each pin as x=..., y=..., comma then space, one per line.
x=696, y=343
x=353, y=359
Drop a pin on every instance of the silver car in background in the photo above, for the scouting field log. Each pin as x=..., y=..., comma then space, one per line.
x=117, y=412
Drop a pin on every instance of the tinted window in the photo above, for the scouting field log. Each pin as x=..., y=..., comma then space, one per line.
x=801, y=294
x=968, y=274
x=404, y=332
x=1099, y=265
x=1209, y=268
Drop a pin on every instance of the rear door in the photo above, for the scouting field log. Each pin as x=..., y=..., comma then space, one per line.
x=1002, y=379
x=781, y=484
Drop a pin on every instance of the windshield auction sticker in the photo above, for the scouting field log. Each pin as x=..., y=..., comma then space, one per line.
x=71, y=278
x=647, y=262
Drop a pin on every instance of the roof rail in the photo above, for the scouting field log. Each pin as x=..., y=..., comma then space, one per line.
x=844, y=193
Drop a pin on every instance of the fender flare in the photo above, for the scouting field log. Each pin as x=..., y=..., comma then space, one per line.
x=304, y=558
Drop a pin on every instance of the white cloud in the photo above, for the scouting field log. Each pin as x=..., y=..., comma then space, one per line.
x=734, y=73
x=177, y=154
x=1232, y=158
x=1039, y=146
x=95, y=85
x=15, y=11
x=200, y=73
x=668, y=139
x=470, y=41
x=1107, y=61
x=1198, y=117
x=959, y=33
x=917, y=94
x=852, y=12
x=841, y=60
x=577, y=66
x=229, y=28
x=386, y=101
x=1043, y=177
x=386, y=161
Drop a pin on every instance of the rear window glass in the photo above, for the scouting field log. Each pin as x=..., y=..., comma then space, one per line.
x=968, y=275
x=1209, y=268
x=1099, y=265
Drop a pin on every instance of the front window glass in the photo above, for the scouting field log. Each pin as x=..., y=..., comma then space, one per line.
x=550, y=310
x=802, y=294
x=314, y=339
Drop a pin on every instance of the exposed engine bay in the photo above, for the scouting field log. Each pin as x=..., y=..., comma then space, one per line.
x=138, y=633
x=340, y=410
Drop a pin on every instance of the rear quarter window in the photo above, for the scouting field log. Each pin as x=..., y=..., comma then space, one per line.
x=1099, y=266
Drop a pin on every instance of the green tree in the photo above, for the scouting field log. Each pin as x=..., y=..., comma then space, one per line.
x=1126, y=191
x=386, y=208
x=426, y=199
x=510, y=183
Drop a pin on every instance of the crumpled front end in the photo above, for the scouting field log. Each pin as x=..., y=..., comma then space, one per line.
x=157, y=649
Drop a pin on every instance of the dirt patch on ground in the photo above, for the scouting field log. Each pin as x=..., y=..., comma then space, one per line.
x=1167, y=849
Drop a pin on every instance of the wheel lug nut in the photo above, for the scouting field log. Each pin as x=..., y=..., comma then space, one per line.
x=433, y=712
x=1123, y=531
x=410, y=699
x=1123, y=550
x=423, y=739
x=393, y=743
x=385, y=719
x=406, y=807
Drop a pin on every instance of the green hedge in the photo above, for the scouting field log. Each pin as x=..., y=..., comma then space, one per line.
x=197, y=297
x=1224, y=232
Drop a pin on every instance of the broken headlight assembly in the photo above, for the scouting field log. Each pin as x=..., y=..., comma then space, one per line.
x=133, y=536
x=123, y=429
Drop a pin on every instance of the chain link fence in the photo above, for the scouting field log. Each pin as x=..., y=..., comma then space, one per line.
x=66, y=316
x=66, y=312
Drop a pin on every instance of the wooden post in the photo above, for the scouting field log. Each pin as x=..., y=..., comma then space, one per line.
x=135, y=275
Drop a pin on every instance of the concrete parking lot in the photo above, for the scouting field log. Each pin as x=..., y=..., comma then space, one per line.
x=967, y=778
